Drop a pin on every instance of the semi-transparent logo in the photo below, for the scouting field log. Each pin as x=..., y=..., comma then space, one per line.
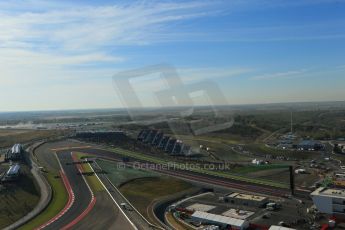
x=175, y=94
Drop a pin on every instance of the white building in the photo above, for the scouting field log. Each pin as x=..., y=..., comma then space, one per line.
x=330, y=201
x=222, y=221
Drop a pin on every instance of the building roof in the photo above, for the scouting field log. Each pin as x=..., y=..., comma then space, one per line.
x=238, y=214
x=13, y=170
x=338, y=193
x=247, y=196
x=220, y=219
x=17, y=148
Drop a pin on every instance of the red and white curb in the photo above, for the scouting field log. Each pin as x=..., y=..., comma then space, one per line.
x=91, y=204
x=71, y=199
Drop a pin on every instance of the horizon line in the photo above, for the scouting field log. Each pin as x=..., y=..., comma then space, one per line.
x=170, y=107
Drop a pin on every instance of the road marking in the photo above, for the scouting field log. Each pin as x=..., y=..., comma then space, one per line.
x=118, y=206
x=127, y=201
x=59, y=162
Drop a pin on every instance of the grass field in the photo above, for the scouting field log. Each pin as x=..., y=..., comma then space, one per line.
x=142, y=192
x=257, y=168
x=18, y=199
x=57, y=203
x=119, y=175
x=223, y=151
x=8, y=137
x=142, y=187
x=10, y=132
x=228, y=175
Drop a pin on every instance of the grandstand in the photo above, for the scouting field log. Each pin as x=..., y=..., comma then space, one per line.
x=170, y=145
x=15, y=153
x=12, y=173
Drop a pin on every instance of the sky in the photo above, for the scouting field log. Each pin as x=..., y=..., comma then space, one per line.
x=71, y=54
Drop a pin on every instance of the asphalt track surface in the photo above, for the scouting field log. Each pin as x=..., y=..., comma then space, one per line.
x=134, y=216
x=82, y=193
x=105, y=214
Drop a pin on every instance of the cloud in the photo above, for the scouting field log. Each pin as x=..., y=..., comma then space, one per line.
x=52, y=50
x=279, y=75
x=56, y=49
x=23, y=58
x=86, y=28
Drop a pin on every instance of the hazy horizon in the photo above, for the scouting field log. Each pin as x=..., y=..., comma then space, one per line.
x=124, y=109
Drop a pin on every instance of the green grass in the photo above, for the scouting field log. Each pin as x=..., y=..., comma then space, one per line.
x=143, y=191
x=10, y=136
x=120, y=175
x=255, y=168
x=57, y=203
x=224, y=151
x=18, y=199
x=227, y=175
x=142, y=187
x=59, y=199
x=92, y=180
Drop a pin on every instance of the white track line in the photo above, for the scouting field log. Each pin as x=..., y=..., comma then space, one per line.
x=127, y=201
x=55, y=218
x=81, y=173
x=118, y=206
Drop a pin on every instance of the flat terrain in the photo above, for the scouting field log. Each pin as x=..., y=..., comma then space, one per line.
x=18, y=198
x=119, y=174
x=8, y=137
x=143, y=192
x=142, y=187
